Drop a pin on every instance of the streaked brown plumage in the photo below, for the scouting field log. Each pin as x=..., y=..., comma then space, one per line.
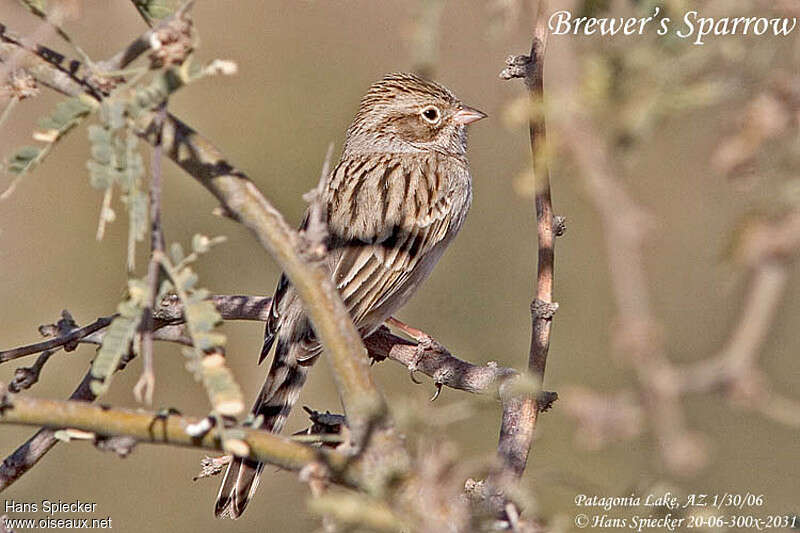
x=395, y=200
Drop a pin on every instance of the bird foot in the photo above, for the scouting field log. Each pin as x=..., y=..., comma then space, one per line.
x=425, y=345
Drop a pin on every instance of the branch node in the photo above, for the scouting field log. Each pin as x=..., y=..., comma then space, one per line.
x=171, y=43
x=543, y=310
x=223, y=212
x=212, y=466
x=121, y=445
x=24, y=377
x=545, y=400
x=62, y=328
x=200, y=428
x=517, y=66
x=313, y=473
x=324, y=423
x=19, y=85
x=559, y=225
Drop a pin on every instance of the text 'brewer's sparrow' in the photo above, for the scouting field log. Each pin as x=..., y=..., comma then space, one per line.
x=394, y=201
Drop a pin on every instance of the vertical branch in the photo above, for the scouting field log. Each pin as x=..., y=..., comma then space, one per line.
x=143, y=390
x=543, y=307
x=520, y=412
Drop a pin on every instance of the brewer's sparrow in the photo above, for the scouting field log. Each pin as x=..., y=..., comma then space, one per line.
x=394, y=202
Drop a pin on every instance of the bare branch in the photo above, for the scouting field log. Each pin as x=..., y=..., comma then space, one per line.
x=56, y=342
x=738, y=358
x=316, y=229
x=170, y=429
x=25, y=377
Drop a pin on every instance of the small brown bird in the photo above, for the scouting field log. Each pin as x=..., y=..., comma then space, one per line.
x=395, y=200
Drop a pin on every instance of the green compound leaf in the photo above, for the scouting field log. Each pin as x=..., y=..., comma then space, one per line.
x=223, y=391
x=66, y=115
x=205, y=359
x=119, y=335
x=153, y=10
x=137, y=210
x=23, y=160
x=203, y=316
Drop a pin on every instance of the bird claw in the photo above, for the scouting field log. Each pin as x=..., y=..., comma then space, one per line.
x=438, y=391
x=423, y=344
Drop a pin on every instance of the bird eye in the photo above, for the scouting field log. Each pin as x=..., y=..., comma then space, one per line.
x=431, y=114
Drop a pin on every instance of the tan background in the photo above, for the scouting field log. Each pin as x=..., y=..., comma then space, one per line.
x=302, y=68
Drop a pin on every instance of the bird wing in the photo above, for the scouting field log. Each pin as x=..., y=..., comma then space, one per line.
x=377, y=255
x=385, y=217
x=274, y=317
x=281, y=299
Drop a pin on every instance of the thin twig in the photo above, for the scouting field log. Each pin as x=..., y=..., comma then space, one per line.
x=315, y=231
x=56, y=342
x=26, y=377
x=145, y=387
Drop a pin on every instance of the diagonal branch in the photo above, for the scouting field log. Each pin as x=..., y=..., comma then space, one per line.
x=362, y=402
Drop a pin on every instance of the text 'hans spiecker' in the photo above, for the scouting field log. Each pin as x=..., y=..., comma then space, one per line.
x=49, y=506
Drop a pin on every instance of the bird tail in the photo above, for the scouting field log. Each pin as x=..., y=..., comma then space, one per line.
x=279, y=393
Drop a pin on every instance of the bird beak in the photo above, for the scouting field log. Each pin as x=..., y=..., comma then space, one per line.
x=468, y=115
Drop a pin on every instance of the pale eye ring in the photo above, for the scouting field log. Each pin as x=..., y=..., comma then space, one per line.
x=431, y=114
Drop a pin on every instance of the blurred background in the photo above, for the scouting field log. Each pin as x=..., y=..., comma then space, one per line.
x=303, y=66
